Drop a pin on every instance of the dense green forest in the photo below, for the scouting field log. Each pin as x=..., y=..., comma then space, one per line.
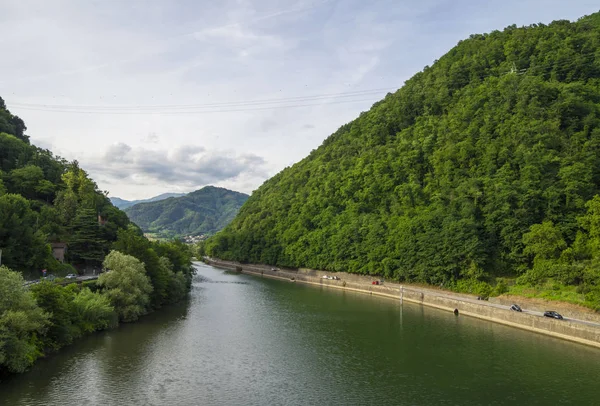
x=45, y=199
x=482, y=169
x=204, y=211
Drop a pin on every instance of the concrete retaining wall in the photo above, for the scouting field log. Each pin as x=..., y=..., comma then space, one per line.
x=572, y=331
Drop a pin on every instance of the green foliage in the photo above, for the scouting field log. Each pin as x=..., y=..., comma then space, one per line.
x=165, y=264
x=20, y=322
x=470, y=171
x=23, y=247
x=46, y=199
x=12, y=124
x=204, y=211
x=131, y=242
x=93, y=311
x=86, y=245
x=57, y=301
x=28, y=181
x=73, y=312
x=126, y=286
x=500, y=288
x=474, y=286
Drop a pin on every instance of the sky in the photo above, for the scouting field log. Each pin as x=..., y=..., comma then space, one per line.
x=155, y=96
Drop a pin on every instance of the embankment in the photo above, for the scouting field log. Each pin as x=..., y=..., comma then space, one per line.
x=573, y=330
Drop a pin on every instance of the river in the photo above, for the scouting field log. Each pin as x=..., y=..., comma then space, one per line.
x=242, y=340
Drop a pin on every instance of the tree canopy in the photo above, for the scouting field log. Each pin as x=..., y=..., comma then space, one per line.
x=480, y=166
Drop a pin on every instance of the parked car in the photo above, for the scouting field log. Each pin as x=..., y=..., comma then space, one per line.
x=71, y=276
x=553, y=314
x=516, y=308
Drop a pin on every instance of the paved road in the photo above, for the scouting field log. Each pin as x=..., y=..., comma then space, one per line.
x=496, y=305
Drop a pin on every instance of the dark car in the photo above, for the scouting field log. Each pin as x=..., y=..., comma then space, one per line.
x=553, y=314
x=516, y=308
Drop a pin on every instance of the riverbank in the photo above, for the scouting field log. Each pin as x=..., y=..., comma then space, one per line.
x=584, y=329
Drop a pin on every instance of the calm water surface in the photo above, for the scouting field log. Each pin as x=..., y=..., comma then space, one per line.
x=241, y=340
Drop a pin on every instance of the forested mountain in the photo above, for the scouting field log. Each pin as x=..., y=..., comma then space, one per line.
x=204, y=211
x=123, y=204
x=45, y=199
x=485, y=164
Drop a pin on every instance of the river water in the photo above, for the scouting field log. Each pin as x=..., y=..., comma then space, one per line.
x=242, y=340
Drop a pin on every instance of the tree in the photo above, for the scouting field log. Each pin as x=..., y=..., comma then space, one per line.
x=27, y=180
x=20, y=321
x=86, y=245
x=23, y=246
x=126, y=285
x=131, y=242
x=58, y=302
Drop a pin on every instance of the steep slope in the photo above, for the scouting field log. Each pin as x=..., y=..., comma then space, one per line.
x=123, y=204
x=447, y=178
x=204, y=211
x=45, y=199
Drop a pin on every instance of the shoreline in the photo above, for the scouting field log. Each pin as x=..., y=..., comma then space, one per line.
x=575, y=330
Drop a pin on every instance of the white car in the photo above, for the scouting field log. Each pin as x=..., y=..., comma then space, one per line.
x=71, y=276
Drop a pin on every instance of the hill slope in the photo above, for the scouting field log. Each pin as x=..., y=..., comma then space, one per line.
x=484, y=164
x=204, y=211
x=123, y=204
x=45, y=199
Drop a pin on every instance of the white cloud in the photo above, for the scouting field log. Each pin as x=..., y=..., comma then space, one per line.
x=125, y=54
x=189, y=166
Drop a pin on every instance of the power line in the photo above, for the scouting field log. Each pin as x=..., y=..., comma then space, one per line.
x=281, y=103
x=259, y=102
x=174, y=113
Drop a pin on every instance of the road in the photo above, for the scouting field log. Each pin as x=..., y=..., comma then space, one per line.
x=82, y=278
x=449, y=295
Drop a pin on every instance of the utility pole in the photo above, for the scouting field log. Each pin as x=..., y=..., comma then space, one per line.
x=0, y=256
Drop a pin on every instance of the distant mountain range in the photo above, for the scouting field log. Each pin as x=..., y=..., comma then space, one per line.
x=204, y=211
x=123, y=204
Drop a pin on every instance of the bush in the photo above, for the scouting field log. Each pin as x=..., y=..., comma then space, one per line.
x=500, y=288
x=21, y=320
x=474, y=286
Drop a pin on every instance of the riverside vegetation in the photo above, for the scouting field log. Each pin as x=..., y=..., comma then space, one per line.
x=481, y=174
x=45, y=199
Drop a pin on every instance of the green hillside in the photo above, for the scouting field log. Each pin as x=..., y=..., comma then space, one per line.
x=484, y=165
x=45, y=200
x=204, y=211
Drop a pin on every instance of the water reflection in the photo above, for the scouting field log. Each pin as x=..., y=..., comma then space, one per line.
x=242, y=340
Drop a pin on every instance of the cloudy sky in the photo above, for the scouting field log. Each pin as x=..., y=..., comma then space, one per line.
x=154, y=96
